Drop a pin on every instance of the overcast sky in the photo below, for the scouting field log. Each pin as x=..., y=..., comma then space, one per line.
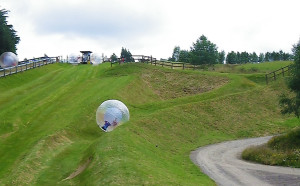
x=151, y=27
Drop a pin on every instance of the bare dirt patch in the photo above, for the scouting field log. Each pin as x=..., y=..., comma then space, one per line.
x=79, y=170
x=173, y=84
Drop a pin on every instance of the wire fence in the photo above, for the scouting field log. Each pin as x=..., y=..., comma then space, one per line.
x=27, y=65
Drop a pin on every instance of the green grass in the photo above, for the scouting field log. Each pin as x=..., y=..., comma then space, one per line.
x=283, y=150
x=264, y=67
x=48, y=128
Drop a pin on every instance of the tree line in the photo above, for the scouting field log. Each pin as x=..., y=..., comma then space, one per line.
x=245, y=57
x=125, y=56
x=8, y=36
x=204, y=51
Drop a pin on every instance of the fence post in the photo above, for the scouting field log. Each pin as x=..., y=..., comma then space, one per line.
x=172, y=66
x=183, y=66
x=111, y=64
x=274, y=75
x=10, y=70
x=283, y=72
x=267, y=79
x=4, y=71
x=17, y=69
x=26, y=66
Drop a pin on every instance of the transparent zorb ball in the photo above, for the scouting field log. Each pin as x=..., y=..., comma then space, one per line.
x=96, y=59
x=8, y=59
x=110, y=114
x=72, y=58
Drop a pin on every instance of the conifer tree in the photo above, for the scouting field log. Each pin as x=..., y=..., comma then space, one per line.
x=8, y=36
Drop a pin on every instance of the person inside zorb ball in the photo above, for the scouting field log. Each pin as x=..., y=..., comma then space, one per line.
x=8, y=59
x=110, y=114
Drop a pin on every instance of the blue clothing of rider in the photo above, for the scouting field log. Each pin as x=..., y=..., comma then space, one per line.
x=106, y=125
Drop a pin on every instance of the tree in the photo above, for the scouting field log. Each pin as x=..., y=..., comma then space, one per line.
x=268, y=56
x=261, y=57
x=231, y=58
x=281, y=55
x=221, y=57
x=126, y=54
x=275, y=56
x=238, y=58
x=286, y=56
x=8, y=36
x=292, y=104
x=184, y=56
x=176, y=52
x=113, y=57
x=253, y=57
x=244, y=57
x=204, y=52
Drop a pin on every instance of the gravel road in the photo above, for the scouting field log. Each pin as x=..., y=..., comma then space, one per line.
x=222, y=163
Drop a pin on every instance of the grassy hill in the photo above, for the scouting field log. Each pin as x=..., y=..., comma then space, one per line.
x=49, y=136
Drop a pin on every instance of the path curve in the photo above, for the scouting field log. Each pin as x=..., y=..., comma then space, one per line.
x=222, y=163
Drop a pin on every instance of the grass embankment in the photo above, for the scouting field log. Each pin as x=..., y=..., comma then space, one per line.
x=48, y=130
x=281, y=150
x=264, y=67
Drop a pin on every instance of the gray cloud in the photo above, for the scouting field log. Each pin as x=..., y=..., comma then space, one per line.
x=152, y=26
x=95, y=20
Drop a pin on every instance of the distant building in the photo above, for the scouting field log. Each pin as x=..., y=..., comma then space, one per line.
x=86, y=57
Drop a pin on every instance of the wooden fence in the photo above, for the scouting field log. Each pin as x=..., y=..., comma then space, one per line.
x=168, y=64
x=177, y=65
x=274, y=75
x=28, y=64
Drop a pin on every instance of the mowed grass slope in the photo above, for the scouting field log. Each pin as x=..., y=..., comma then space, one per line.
x=265, y=67
x=48, y=129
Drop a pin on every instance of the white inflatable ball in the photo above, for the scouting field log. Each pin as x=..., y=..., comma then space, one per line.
x=8, y=59
x=111, y=114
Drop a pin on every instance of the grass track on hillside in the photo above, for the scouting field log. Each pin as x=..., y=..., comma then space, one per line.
x=48, y=126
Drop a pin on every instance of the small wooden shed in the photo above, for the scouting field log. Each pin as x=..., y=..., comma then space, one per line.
x=86, y=57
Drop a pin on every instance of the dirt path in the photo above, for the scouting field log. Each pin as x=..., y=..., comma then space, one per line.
x=222, y=163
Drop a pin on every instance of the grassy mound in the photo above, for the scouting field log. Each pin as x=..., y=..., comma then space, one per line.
x=264, y=67
x=281, y=150
x=49, y=136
